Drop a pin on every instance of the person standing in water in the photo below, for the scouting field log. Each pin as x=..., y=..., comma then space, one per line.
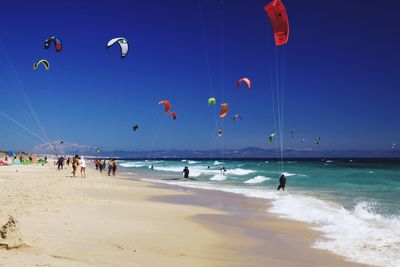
x=186, y=172
x=282, y=182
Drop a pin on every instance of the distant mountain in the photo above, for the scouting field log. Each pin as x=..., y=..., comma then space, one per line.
x=63, y=148
x=56, y=148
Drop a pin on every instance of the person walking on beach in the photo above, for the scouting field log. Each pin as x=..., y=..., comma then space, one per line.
x=75, y=163
x=68, y=161
x=96, y=163
x=282, y=182
x=110, y=166
x=60, y=163
x=186, y=172
x=100, y=166
x=82, y=163
x=114, y=166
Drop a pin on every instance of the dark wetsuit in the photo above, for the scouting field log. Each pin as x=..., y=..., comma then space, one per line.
x=282, y=183
x=186, y=172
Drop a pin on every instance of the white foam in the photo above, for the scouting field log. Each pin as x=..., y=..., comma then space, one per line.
x=193, y=162
x=253, y=192
x=218, y=162
x=239, y=171
x=287, y=174
x=218, y=177
x=329, y=161
x=196, y=171
x=359, y=235
x=132, y=164
x=257, y=180
x=184, y=160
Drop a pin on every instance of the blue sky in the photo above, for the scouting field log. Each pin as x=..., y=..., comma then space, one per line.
x=341, y=79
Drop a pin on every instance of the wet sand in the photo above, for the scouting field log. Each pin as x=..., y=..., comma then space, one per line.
x=262, y=239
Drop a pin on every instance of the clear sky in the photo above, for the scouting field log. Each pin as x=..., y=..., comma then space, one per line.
x=342, y=73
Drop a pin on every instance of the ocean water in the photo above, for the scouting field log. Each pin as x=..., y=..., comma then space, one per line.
x=355, y=204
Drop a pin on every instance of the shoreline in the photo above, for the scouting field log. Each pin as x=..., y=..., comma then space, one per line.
x=264, y=237
x=262, y=226
x=107, y=221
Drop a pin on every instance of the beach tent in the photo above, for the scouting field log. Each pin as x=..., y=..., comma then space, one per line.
x=3, y=163
x=16, y=161
x=42, y=161
x=26, y=162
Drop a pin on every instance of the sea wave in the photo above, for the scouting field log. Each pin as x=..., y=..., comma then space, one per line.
x=218, y=177
x=239, y=171
x=287, y=174
x=257, y=180
x=196, y=171
x=361, y=235
x=132, y=164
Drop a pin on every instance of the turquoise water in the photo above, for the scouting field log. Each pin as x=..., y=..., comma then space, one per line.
x=354, y=203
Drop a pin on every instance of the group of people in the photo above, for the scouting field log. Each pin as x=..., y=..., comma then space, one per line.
x=102, y=165
x=76, y=161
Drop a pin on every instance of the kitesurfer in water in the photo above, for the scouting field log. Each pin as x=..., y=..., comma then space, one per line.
x=223, y=170
x=186, y=172
x=282, y=182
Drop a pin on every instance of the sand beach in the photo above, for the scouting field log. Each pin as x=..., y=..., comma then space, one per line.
x=58, y=220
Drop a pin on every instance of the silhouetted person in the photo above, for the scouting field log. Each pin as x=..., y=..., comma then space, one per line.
x=186, y=172
x=282, y=182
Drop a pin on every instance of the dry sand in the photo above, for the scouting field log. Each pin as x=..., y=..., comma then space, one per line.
x=52, y=219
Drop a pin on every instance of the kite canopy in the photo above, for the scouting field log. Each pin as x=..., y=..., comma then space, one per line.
x=271, y=137
x=135, y=127
x=123, y=43
x=212, y=100
x=10, y=154
x=245, y=80
x=220, y=133
x=62, y=142
x=224, y=110
x=98, y=149
x=276, y=12
x=317, y=140
x=44, y=62
x=166, y=104
x=173, y=114
x=56, y=41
